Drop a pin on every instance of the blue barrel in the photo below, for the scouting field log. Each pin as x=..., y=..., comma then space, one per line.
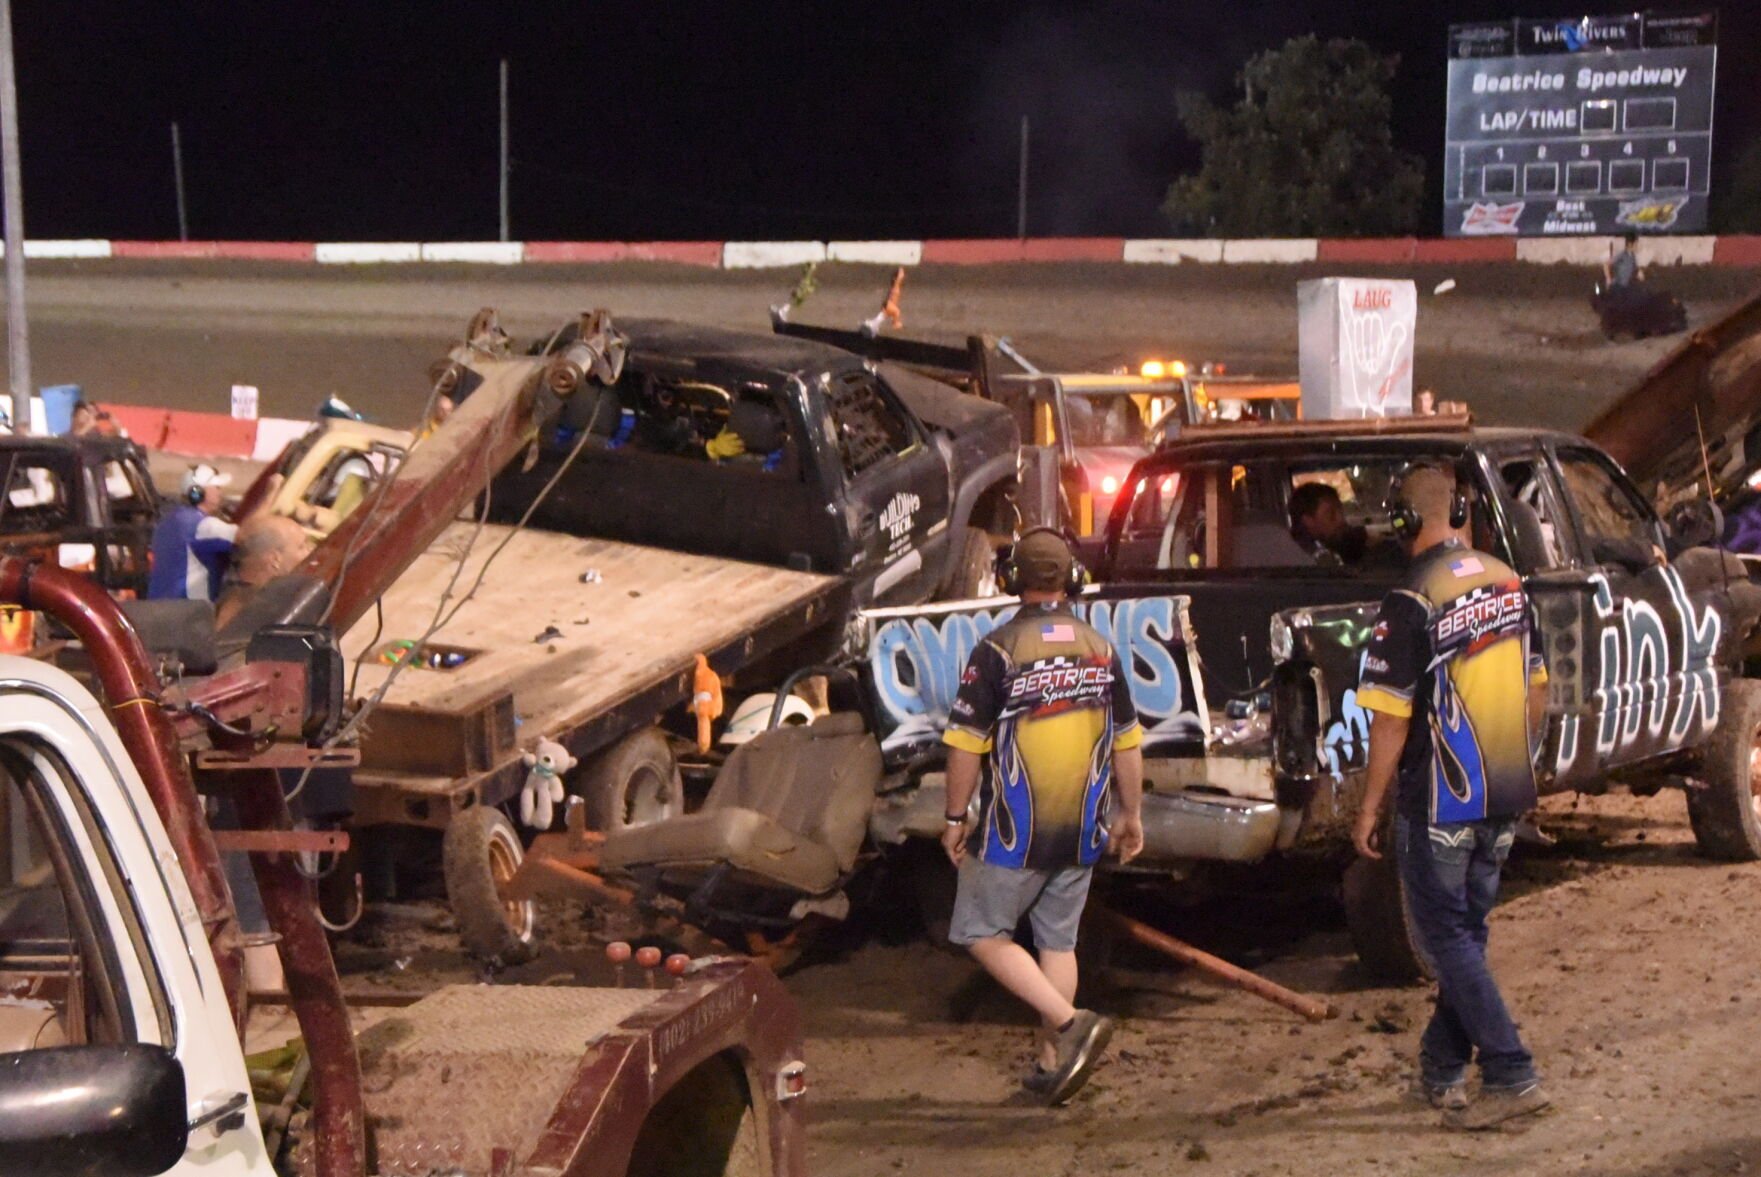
x=58, y=402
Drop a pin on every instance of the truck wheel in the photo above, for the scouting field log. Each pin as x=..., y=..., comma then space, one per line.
x=1380, y=924
x=481, y=850
x=635, y=782
x=1726, y=814
x=975, y=575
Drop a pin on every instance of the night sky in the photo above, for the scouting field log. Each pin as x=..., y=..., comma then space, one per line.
x=306, y=121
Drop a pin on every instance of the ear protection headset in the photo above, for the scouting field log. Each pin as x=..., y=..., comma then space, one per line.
x=1010, y=572
x=1406, y=519
x=198, y=490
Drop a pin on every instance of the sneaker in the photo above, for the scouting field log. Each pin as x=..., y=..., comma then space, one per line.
x=1496, y=1105
x=1450, y=1097
x=1080, y=1045
x=1038, y=1081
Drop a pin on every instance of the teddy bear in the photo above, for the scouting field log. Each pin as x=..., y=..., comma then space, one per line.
x=543, y=789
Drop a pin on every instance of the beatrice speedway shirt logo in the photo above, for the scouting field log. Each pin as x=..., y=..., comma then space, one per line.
x=1481, y=616
x=1059, y=682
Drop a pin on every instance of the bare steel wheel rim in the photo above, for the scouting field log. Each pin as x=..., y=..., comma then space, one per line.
x=504, y=860
x=648, y=797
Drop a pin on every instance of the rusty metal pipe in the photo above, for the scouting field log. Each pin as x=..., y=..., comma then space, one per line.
x=130, y=685
x=1311, y=1008
x=573, y=878
x=339, y=1142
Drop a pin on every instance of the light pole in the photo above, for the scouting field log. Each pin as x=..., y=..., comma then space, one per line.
x=18, y=336
x=504, y=149
x=183, y=216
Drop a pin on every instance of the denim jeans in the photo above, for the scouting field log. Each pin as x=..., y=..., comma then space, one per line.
x=1451, y=877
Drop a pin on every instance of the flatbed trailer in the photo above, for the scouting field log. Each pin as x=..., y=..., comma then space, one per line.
x=579, y=641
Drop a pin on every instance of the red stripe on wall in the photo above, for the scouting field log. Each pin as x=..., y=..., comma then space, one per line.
x=1367, y=250
x=278, y=251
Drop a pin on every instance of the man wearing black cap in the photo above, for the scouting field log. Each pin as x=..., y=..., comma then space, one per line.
x=1044, y=700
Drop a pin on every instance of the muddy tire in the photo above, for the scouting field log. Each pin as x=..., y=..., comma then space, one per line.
x=633, y=783
x=975, y=575
x=482, y=849
x=1380, y=923
x=1726, y=813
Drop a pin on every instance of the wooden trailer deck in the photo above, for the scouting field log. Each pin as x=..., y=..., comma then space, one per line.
x=548, y=653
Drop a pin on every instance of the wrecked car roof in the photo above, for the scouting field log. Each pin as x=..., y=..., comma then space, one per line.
x=757, y=352
x=1287, y=444
x=99, y=445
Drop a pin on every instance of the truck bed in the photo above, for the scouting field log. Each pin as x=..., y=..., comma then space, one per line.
x=546, y=653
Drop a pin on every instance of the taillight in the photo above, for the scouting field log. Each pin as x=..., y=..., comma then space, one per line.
x=791, y=1081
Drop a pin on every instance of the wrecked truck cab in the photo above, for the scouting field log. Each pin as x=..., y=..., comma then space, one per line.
x=778, y=451
x=1644, y=653
x=320, y=477
x=83, y=503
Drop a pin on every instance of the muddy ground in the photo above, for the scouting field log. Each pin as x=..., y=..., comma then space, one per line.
x=1628, y=959
x=1517, y=342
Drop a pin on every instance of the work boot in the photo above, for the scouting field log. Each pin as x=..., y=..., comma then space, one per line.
x=1496, y=1105
x=1450, y=1097
x=1081, y=1041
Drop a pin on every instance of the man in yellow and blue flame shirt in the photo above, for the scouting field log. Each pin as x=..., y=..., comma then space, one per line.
x=1045, y=699
x=1455, y=690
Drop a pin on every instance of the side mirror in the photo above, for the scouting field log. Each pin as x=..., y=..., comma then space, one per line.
x=119, y=1111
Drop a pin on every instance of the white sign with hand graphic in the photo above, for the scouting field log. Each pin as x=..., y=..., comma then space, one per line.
x=1354, y=339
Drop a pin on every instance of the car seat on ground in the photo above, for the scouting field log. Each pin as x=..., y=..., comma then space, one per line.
x=789, y=810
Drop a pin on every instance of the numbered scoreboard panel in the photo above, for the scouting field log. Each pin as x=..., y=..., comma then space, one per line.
x=1584, y=140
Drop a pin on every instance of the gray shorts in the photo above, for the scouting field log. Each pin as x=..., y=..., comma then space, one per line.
x=992, y=899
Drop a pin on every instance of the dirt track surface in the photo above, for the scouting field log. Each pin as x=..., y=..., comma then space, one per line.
x=1517, y=342
x=1628, y=960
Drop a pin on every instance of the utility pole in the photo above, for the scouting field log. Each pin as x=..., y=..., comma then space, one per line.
x=1021, y=187
x=183, y=216
x=18, y=337
x=504, y=149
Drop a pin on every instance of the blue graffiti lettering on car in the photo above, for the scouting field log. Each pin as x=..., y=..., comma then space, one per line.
x=916, y=662
x=1345, y=745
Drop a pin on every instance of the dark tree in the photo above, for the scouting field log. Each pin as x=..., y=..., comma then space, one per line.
x=1306, y=152
x=1737, y=207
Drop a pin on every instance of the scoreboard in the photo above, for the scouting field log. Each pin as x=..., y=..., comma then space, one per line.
x=1592, y=125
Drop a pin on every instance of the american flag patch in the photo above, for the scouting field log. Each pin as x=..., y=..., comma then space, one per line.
x=1467, y=566
x=1062, y=632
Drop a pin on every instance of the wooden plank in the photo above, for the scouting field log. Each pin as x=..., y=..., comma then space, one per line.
x=647, y=614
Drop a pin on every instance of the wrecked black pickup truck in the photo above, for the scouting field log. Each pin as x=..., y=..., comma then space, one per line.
x=1646, y=640
x=784, y=452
